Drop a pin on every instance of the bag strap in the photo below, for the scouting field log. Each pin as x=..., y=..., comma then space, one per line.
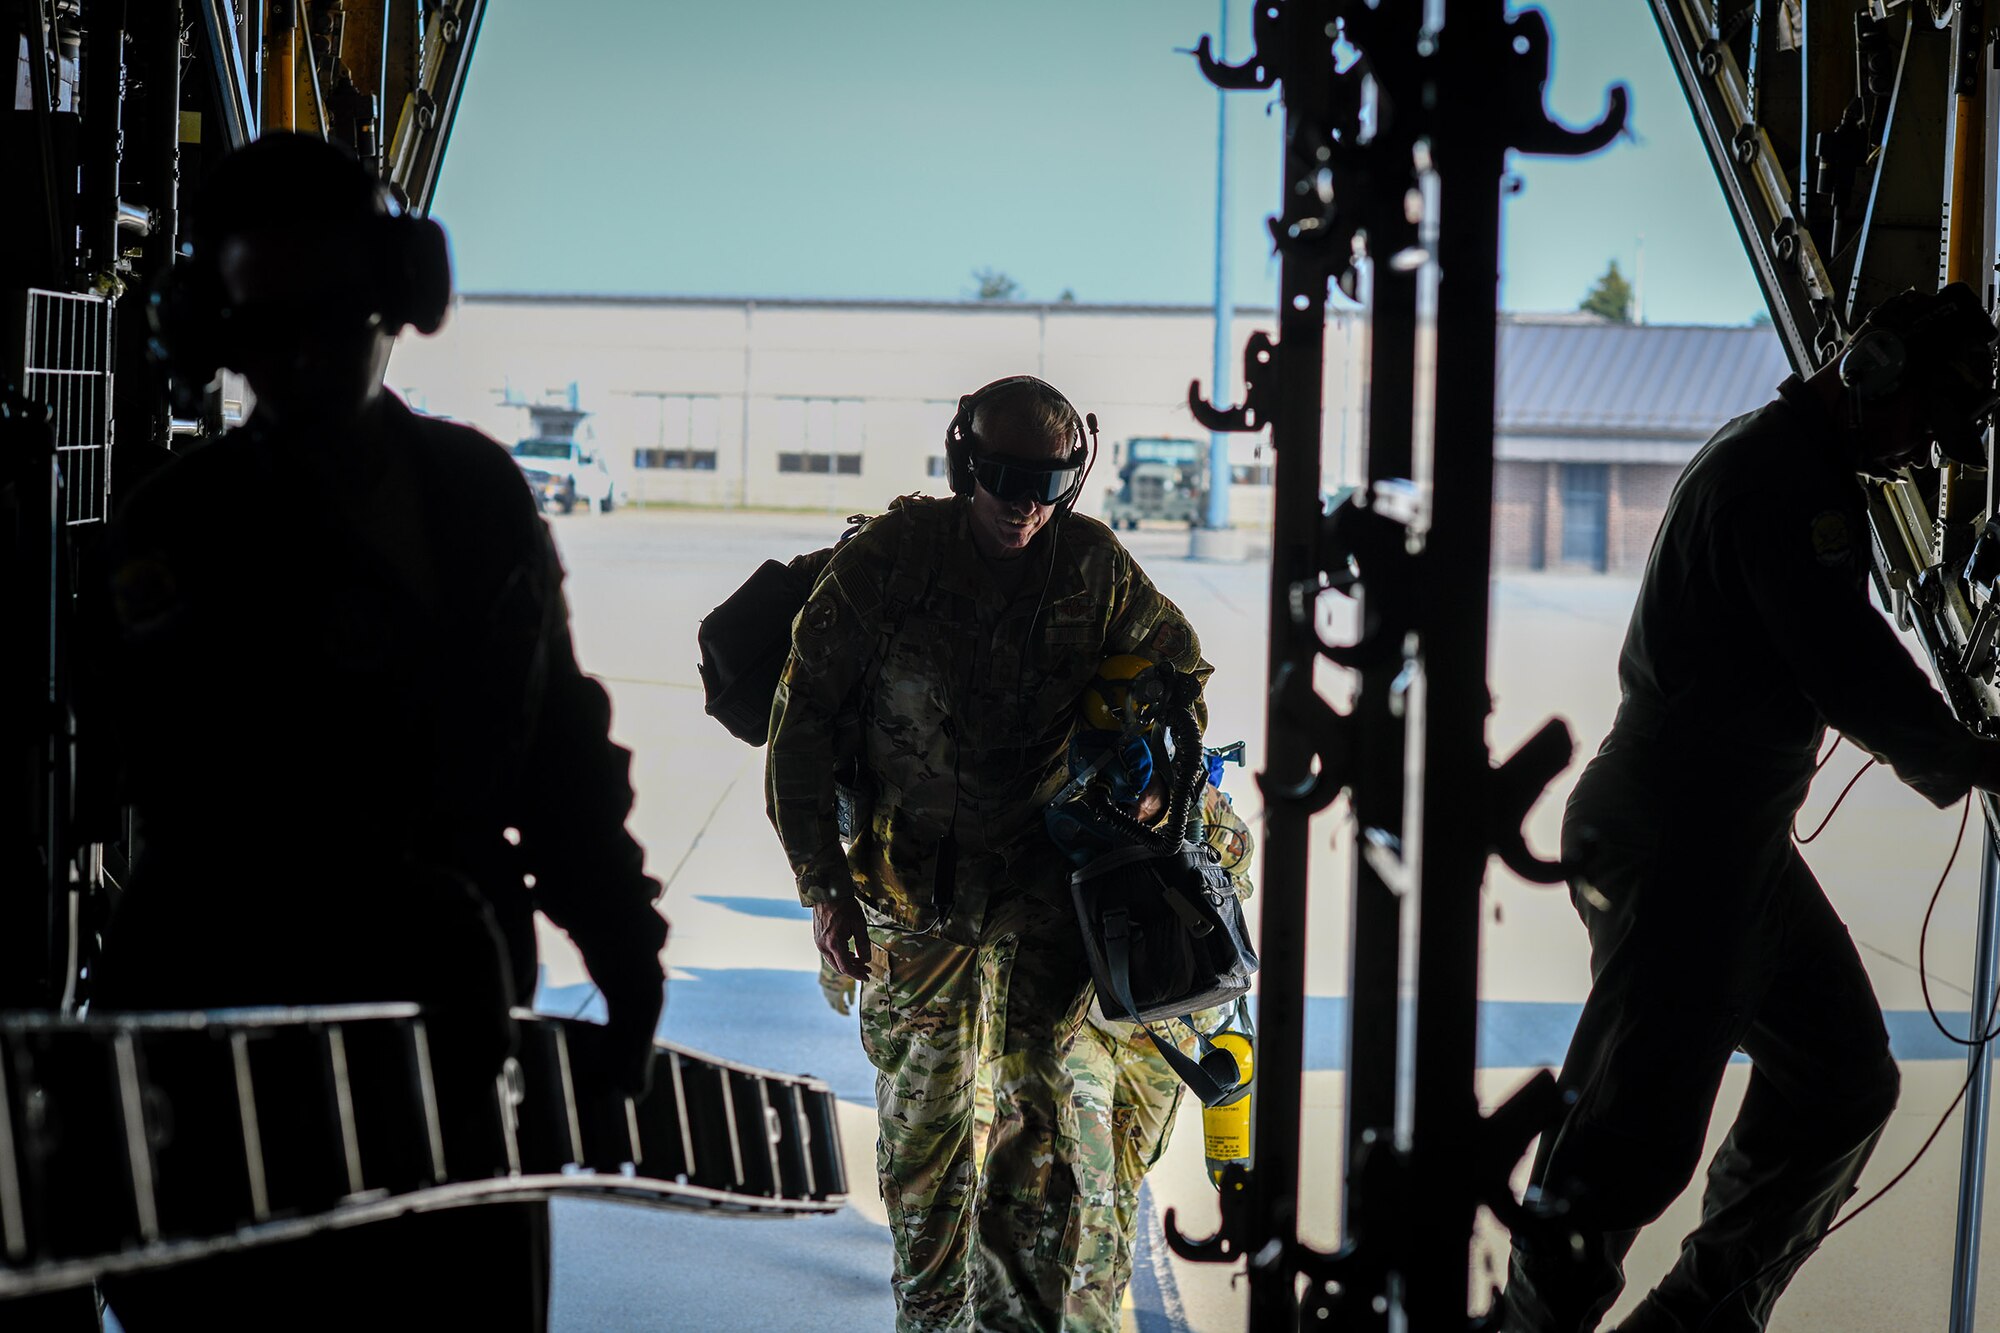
x=1118, y=970
x=911, y=575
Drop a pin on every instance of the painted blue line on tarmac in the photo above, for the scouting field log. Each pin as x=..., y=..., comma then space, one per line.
x=780, y=909
x=1522, y=1034
x=776, y=1018
x=773, y=1018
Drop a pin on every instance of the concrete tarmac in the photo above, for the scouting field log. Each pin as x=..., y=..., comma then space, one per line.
x=742, y=960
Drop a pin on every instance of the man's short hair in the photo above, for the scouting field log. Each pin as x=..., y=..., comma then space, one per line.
x=1027, y=408
x=282, y=182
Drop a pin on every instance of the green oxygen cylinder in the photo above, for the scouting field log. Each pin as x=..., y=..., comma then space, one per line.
x=1225, y=1127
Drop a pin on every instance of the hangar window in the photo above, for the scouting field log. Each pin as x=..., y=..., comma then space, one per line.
x=846, y=465
x=687, y=433
x=675, y=460
x=821, y=435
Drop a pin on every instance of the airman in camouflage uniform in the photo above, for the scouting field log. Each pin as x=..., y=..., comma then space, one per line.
x=945, y=647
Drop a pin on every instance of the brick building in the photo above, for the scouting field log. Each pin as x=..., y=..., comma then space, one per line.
x=1595, y=422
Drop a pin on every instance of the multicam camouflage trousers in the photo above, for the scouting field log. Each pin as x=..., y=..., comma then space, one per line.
x=992, y=1247
x=1119, y=1119
x=1126, y=1099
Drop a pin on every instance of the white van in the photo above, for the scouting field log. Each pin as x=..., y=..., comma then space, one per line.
x=564, y=474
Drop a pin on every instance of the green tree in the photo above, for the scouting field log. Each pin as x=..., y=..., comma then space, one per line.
x=1610, y=296
x=990, y=284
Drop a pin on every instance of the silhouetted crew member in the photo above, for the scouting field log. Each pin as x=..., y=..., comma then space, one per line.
x=945, y=648
x=354, y=727
x=1752, y=634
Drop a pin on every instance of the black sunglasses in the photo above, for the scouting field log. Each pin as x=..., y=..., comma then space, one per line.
x=1043, y=480
x=257, y=326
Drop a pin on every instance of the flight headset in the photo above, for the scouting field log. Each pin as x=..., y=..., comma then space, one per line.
x=1912, y=334
x=962, y=448
x=187, y=309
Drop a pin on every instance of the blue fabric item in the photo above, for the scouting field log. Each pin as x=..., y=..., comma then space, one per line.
x=1215, y=765
x=1126, y=770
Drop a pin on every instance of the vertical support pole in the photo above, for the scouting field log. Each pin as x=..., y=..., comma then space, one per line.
x=1452, y=702
x=56, y=752
x=1221, y=390
x=1978, y=1093
x=1376, y=923
x=1963, y=250
x=281, y=76
x=1966, y=250
x=743, y=444
x=150, y=177
x=1299, y=370
x=102, y=138
x=1376, y=916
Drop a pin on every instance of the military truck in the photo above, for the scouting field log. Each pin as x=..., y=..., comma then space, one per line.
x=561, y=467
x=1158, y=479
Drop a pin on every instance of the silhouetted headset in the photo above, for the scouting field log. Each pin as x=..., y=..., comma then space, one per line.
x=1050, y=481
x=194, y=331
x=1944, y=340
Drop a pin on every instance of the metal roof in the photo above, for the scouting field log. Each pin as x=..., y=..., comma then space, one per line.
x=1563, y=375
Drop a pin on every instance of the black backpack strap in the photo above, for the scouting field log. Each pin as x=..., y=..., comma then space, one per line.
x=911, y=574
x=1199, y=1076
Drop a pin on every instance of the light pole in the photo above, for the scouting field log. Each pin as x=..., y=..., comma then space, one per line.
x=1215, y=539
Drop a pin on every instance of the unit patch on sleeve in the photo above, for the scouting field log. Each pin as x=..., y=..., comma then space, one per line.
x=820, y=616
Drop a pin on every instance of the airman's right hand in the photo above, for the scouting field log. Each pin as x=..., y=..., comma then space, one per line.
x=841, y=933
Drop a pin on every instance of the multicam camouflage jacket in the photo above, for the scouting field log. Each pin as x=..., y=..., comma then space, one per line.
x=956, y=698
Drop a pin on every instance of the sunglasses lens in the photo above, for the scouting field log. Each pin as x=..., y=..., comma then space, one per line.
x=1012, y=483
x=255, y=327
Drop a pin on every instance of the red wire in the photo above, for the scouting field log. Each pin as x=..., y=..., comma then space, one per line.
x=1802, y=841
x=1988, y=1034
x=1923, y=938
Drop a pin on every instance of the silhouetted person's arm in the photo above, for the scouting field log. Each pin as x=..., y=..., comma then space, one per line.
x=589, y=872
x=1802, y=571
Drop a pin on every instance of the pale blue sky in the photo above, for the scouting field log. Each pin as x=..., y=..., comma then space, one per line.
x=888, y=148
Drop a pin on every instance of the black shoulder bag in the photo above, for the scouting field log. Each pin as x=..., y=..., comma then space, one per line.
x=1161, y=922
x=745, y=640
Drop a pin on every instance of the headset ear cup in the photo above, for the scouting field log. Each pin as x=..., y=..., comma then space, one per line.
x=958, y=448
x=959, y=467
x=1873, y=367
x=417, y=259
x=432, y=286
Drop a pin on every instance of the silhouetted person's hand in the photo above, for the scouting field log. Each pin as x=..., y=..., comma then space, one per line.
x=634, y=995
